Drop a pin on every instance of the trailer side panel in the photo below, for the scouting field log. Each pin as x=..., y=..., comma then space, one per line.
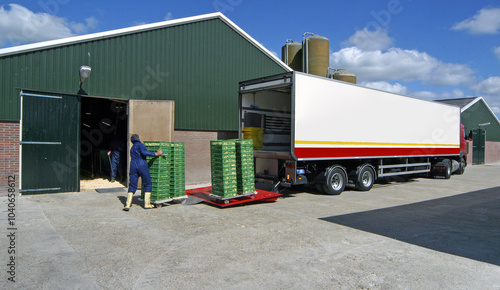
x=336, y=120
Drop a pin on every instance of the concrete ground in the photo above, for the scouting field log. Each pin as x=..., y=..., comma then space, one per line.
x=417, y=234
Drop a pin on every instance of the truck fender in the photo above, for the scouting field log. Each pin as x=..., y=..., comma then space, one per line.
x=321, y=177
x=327, y=171
x=354, y=172
x=329, y=180
x=359, y=169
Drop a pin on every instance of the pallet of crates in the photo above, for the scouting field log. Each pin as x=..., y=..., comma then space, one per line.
x=223, y=169
x=245, y=172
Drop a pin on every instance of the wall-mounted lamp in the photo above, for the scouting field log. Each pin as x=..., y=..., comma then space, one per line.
x=84, y=74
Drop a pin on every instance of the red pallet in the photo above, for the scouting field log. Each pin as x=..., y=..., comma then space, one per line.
x=205, y=193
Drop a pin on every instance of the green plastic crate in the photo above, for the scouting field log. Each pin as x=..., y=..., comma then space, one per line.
x=225, y=192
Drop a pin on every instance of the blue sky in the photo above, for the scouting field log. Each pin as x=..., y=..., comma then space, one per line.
x=427, y=49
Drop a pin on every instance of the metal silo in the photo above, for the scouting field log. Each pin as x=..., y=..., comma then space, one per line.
x=291, y=54
x=316, y=54
x=343, y=75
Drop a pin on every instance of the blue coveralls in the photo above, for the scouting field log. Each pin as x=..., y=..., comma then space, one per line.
x=139, y=166
x=117, y=149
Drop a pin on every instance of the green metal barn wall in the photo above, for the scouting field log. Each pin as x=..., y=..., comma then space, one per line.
x=480, y=114
x=198, y=65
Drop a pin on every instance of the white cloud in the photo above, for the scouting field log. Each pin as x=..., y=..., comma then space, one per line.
x=81, y=28
x=20, y=25
x=490, y=86
x=371, y=40
x=490, y=89
x=455, y=94
x=403, y=90
x=429, y=95
x=168, y=16
x=497, y=52
x=388, y=87
x=400, y=64
x=425, y=95
x=486, y=21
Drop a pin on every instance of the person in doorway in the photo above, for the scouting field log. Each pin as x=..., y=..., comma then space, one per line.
x=139, y=168
x=116, y=152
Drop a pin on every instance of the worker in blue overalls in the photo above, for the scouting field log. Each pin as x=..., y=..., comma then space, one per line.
x=139, y=167
x=116, y=154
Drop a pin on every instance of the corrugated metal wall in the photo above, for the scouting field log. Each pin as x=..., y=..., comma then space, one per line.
x=197, y=64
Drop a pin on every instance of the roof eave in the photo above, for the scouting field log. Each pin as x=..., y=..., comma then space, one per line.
x=129, y=30
x=255, y=42
x=102, y=35
x=485, y=104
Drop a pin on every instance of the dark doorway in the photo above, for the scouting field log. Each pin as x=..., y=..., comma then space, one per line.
x=103, y=123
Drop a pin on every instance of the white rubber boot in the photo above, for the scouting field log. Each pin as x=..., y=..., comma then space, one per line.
x=128, y=204
x=147, y=200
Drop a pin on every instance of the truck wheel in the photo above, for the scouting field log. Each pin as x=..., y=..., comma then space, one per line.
x=461, y=167
x=365, y=178
x=336, y=179
x=447, y=171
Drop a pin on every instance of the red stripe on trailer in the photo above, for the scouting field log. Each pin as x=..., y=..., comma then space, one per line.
x=304, y=152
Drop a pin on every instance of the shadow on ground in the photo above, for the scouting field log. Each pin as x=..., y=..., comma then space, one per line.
x=466, y=225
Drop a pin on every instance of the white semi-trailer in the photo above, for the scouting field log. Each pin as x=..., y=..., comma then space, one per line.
x=314, y=130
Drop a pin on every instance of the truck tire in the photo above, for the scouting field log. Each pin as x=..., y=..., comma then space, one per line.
x=365, y=178
x=461, y=167
x=447, y=171
x=336, y=179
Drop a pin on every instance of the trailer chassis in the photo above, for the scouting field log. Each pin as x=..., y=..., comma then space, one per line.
x=332, y=176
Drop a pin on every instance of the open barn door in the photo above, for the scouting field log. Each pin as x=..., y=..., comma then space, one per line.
x=152, y=120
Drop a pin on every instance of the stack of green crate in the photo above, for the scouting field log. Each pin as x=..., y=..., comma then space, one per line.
x=223, y=168
x=177, y=171
x=167, y=172
x=245, y=173
x=158, y=168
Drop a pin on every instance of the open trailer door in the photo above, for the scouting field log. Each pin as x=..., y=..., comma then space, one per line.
x=50, y=131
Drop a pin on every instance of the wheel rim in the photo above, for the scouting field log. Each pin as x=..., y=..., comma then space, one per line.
x=367, y=178
x=336, y=181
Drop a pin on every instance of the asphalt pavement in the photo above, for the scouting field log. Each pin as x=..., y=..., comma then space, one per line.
x=403, y=234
